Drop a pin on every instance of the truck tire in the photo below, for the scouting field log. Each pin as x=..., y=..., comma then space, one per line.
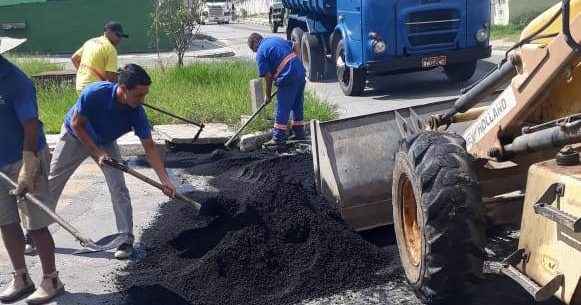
x=313, y=58
x=437, y=211
x=460, y=72
x=351, y=80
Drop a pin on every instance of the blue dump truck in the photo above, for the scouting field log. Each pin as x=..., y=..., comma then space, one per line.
x=366, y=38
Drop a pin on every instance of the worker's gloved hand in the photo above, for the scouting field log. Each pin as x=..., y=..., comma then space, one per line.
x=168, y=188
x=28, y=174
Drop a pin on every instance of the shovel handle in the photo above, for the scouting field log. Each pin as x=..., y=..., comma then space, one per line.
x=229, y=142
x=68, y=227
x=134, y=173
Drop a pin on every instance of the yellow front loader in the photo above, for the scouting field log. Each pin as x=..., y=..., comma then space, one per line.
x=505, y=151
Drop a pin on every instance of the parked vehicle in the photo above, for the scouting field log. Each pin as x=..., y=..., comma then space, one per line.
x=219, y=11
x=277, y=16
x=365, y=38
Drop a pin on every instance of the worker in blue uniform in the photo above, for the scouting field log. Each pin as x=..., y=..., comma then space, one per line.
x=279, y=64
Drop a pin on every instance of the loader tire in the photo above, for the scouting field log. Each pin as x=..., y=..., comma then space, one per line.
x=437, y=211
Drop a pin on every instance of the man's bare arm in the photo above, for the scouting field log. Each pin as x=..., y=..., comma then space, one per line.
x=31, y=135
x=269, y=81
x=158, y=166
x=78, y=125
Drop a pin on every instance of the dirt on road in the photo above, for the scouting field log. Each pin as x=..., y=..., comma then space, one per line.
x=266, y=237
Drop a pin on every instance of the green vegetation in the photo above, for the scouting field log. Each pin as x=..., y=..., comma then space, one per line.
x=203, y=92
x=32, y=66
x=512, y=31
x=509, y=32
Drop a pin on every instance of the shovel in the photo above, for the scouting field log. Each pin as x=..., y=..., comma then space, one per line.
x=254, y=115
x=126, y=169
x=106, y=243
x=200, y=126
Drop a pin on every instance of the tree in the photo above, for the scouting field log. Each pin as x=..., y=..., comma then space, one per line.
x=178, y=20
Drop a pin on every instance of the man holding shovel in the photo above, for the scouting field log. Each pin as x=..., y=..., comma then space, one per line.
x=24, y=155
x=104, y=112
x=278, y=63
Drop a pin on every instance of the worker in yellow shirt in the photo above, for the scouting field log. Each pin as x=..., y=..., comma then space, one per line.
x=96, y=60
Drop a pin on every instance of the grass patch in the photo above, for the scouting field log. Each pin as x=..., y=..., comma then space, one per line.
x=32, y=66
x=202, y=92
x=509, y=32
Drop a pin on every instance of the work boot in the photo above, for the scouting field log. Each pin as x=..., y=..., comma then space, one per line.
x=298, y=133
x=20, y=286
x=50, y=288
x=274, y=142
x=124, y=251
x=29, y=248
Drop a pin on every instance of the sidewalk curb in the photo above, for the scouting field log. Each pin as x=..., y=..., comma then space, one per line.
x=130, y=145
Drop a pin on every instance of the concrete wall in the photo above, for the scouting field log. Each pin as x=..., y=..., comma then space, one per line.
x=511, y=11
x=62, y=26
x=253, y=7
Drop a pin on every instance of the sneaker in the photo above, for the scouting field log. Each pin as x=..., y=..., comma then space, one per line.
x=50, y=288
x=124, y=251
x=20, y=286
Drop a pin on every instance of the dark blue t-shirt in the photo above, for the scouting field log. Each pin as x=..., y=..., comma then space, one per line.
x=17, y=105
x=271, y=51
x=107, y=119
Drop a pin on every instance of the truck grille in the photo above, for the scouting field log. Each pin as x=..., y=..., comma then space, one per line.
x=214, y=12
x=432, y=27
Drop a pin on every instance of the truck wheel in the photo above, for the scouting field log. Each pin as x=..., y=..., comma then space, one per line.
x=351, y=80
x=437, y=211
x=313, y=59
x=460, y=72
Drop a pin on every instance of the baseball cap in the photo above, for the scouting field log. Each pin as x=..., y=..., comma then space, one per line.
x=8, y=43
x=116, y=28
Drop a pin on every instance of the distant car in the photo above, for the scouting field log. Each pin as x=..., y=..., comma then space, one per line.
x=277, y=15
x=219, y=11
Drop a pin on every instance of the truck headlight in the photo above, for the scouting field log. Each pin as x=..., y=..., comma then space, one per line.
x=379, y=47
x=377, y=44
x=482, y=35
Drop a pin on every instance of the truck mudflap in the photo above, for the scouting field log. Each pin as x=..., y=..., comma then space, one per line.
x=353, y=160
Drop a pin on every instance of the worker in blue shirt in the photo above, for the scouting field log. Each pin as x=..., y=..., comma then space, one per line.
x=279, y=64
x=24, y=157
x=103, y=113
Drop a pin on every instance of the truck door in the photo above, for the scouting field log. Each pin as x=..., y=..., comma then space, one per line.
x=430, y=25
x=349, y=15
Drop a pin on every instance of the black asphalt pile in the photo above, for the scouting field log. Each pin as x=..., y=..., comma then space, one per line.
x=269, y=239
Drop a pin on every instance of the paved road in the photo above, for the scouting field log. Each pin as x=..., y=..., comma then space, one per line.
x=86, y=204
x=382, y=94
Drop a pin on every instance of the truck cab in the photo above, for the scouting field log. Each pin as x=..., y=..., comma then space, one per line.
x=219, y=11
x=366, y=38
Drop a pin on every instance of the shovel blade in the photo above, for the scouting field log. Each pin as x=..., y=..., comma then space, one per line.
x=108, y=242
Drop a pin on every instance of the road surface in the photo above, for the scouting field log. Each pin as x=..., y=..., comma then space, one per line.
x=383, y=93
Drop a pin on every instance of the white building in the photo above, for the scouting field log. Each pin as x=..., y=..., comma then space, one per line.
x=511, y=11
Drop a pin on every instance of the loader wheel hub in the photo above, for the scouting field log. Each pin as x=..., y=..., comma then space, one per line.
x=411, y=228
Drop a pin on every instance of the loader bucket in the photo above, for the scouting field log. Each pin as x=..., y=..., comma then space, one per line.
x=353, y=161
